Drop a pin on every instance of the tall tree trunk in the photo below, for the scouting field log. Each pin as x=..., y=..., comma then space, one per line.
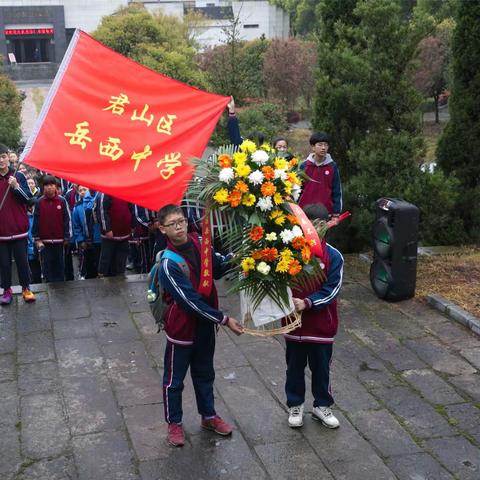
x=435, y=100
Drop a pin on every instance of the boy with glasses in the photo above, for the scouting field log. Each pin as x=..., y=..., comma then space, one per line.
x=190, y=322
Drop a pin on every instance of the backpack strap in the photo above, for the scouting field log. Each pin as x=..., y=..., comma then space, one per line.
x=171, y=255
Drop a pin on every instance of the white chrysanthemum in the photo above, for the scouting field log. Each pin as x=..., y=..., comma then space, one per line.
x=280, y=173
x=256, y=177
x=287, y=236
x=271, y=237
x=264, y=268
x=297, y=231
x=226, y=175
x=296, y=189
x=265, y=204
x=260, y=157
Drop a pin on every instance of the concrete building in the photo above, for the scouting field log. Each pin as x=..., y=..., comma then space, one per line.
x=34, y=34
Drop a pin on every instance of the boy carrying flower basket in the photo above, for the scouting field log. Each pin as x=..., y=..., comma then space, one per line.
x=255, y=189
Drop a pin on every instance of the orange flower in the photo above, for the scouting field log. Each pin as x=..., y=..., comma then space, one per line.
x=269, y=254
x=224, y=160
x=293, y=163
x=235, y=198
x=256, y=233
x=256, y=255
x=298, y=243
x=268, y=172
x=241, y=186
x=268, y=189
x=294, y=268
x=306, y=254
x=293, y=219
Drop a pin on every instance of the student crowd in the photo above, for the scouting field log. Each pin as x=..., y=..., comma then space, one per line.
x=46, y=221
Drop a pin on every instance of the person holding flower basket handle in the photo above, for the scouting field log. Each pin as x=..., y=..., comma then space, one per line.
x=312, y=342
x=190, y=322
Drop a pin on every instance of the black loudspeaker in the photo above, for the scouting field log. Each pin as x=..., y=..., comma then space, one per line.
x=393, y=271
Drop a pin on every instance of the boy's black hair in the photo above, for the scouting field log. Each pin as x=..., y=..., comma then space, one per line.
x=3, y=149
x=257, y=137
x=277, y=139
x=316, y=211
x=167, y=210
x=49, y=180
x=319, y=137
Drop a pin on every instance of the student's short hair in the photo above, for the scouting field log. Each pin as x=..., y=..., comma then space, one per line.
x=3, y=149
x=49, y=180
x=278, y=139
x=257, y=137
x=167, y=210
x=316, y=211
x=319, y=137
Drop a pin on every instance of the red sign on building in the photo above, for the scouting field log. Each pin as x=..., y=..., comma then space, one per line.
x=28, y=31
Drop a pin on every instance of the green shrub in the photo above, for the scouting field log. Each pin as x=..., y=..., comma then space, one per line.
x=10, y=108
x=267, y=118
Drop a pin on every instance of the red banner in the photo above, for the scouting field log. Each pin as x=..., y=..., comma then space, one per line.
x=120, y=128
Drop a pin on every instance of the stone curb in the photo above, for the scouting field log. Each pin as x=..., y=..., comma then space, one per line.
x=454, y=312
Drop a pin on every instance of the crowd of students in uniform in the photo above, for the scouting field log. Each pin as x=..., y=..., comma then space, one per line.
x=56, y=221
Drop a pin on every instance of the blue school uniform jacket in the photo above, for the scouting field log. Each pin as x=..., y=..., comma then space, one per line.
x=320, y=318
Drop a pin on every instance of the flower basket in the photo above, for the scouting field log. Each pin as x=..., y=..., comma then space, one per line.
x=249, y=196
x=267, y=311
x=268, y=318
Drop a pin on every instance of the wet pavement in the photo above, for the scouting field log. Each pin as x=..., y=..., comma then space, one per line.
x=81, y=398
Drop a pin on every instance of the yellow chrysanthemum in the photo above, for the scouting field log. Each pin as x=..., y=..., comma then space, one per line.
x=248, y=146
x=293, y=177
x=266, y=147
x=282, y=266
x=239, y=158
x=278, y=217
x=248, y=200
x=248, y=264
x=288, y=187
x=243, y=170
x=286, y=254
x=280, y=163
x=221, y=196
x=277, y=198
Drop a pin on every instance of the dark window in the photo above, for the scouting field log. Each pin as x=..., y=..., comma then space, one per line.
x=31, y=49
x=252, y=25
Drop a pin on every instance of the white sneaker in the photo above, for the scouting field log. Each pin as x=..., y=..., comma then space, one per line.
x=325, y=415
x=295, y=416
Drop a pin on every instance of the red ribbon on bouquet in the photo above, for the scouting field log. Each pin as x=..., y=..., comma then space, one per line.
x=308, y=229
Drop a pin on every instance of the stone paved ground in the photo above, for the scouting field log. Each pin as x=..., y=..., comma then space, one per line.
x=80, y=376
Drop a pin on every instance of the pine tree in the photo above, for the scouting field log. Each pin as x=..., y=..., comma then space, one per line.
x=366, y=101
x=458, y=151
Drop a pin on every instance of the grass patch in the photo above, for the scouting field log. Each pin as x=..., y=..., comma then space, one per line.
x=454, y=276
x=38, y=99
x=298, y=141
x=432, y=132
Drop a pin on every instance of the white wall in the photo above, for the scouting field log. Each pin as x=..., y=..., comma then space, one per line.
x=168, y=8
x=84, y=14
x=272, y=21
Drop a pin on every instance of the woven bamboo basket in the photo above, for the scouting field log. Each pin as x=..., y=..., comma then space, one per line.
x=278, y=327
